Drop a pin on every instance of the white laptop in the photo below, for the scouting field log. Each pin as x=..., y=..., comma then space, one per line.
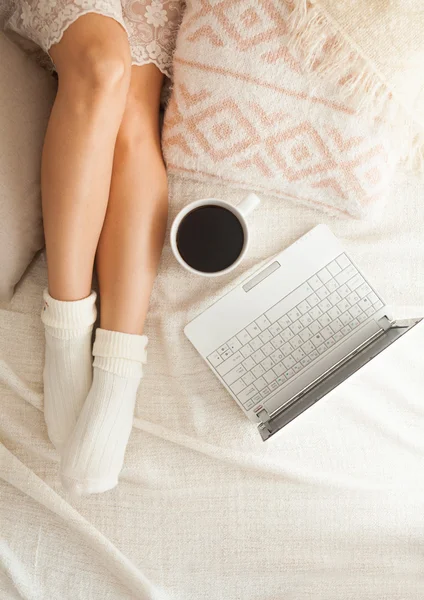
x=294, y=330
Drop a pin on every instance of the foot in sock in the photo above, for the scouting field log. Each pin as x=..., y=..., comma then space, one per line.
x=67, y=370
x=94, y=454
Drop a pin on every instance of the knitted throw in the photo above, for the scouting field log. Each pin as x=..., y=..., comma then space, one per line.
x=274, y=96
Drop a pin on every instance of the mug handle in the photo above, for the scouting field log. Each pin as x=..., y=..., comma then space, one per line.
x=249, y=204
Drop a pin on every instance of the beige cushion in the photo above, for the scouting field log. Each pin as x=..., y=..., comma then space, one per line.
x=246, y=112
x=26, y=96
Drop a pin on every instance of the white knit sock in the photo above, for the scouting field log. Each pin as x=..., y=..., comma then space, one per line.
x=67, y=370
x=94, y=454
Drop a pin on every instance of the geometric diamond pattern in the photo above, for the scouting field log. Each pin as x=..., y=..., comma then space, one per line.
x=243, y=111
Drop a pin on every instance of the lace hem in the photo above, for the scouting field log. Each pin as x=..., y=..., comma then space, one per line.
x=151, y=25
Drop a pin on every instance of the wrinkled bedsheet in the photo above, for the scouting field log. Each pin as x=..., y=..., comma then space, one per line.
x=330, y=508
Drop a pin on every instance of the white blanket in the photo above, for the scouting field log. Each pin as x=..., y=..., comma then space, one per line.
x=329, y=508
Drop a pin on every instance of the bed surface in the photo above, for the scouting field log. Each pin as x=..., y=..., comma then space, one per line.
x=329, y=508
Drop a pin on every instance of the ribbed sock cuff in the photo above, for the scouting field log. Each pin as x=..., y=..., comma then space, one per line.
x=120, y=353
x=75, y=314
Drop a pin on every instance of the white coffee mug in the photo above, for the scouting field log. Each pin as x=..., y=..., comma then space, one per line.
x=241, y=211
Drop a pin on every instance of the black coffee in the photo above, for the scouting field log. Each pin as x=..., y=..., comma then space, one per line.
x=210, y=238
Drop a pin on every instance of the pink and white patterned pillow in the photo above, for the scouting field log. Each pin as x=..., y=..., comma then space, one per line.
x=245, y=112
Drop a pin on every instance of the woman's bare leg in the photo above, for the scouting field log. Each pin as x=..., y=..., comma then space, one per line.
x=93, y=64
x=127, y=260
x=132, y=237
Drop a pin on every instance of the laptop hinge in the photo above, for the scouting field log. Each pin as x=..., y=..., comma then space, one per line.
x=390, y=332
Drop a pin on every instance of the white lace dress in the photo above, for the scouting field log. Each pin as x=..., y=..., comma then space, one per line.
x=151, y=25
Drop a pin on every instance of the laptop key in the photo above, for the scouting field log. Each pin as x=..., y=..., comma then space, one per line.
x=326, y=333
x=306, y=334
x=317, y=340
x=289, y=373
x=323, y=292
x=253, y=330
x=238, y=386
x=355, y=311
x=364, y=303
x=296, y=327
x=343, y=305
x=277, y=356
x=313, y=300
x=343, y=261
x=258, y=356
x=308, y=347
x=256, y=343
x=286, y=349
x=215, y=359
x=303, y=307
x=316, y=313
x=234, y=344
x=330, y=342
x=243, y=337
x=285, y=321
x=230, y=363
x=315, y=327
x=324, y=275
x=353, y=298
x=336, y=325
x=334, y=268
x=305, y=361
x=234, y=374
x=324, y=320
x=306, y=320
x=287, y=335
x=298, y=354
x=246, y=351
x=265, y=336
x=248, y=378
x=277, y=341
x=334, y=312
x=275, y=329
x=271, y=375
x=268, y=349
x=258, y=371
x=262, y=322
x=267, y=363
x=249, y=363
x=315, y=282
x=345, y=318
x=278, y=369
x=331, y=285
x=294, y=314
x=289, y=362
x=265, y=392
x=344, y=291
x=260, y=384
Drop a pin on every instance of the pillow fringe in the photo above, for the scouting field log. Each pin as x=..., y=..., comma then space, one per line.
x=328, y=51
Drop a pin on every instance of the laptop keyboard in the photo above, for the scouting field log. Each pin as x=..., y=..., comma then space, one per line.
x=268, y=353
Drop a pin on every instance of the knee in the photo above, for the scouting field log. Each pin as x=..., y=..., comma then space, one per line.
x=98, y=70
x=105, y=68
